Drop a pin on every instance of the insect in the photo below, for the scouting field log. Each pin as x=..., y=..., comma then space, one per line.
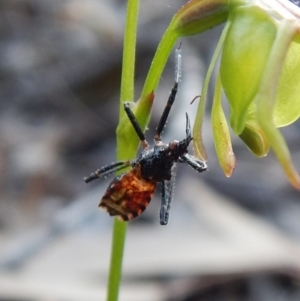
x=128, y=195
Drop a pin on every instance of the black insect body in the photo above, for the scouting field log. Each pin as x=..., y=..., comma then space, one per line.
x=156, y=164
x=128, y=195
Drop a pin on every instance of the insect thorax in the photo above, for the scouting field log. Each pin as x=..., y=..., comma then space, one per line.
x=156, y=163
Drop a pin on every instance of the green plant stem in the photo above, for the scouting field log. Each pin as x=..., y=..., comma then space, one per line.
x=142, y=113
x=128, y=65
x=116, y=260
x=159, y=61
x=127, y=93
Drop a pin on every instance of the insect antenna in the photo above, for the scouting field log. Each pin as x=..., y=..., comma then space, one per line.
x=171, y=99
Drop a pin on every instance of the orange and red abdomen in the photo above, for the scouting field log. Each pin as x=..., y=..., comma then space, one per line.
x=128, y=195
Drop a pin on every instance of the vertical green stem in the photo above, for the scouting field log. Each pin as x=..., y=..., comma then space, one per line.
x=127, y=93
x=116, y=260
x=127, y=80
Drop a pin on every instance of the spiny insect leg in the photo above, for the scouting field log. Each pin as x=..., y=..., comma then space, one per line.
x=167, y=197
x=135, y=125
x=106, y=170
x=170, y=189
x=178, y=63
x=194, y=162
x=172, y=96
x=188, y=127
x=163, y=214
x=165, y=114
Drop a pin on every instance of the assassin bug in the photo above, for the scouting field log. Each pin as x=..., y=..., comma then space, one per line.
x=129, y=194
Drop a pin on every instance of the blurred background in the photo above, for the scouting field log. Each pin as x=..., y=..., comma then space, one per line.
x=60, y=66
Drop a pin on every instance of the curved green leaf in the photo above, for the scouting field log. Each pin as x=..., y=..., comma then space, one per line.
x=200, y=15
x=246, y=50
x=287, y=106
x=266, y=97
x=198, y=145
x=255, y=139
x=221, y=134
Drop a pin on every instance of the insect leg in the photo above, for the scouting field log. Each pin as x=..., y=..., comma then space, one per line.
x=167, y=197
x=163, y=214
x=171, y=99
x=135, y=125
x=188, y=127
x=194, y=162
x=106, y=170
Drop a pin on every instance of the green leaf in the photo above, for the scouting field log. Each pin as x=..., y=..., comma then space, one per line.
x=255, y=139
x=287, y=106
x=200, y=15
x=246, y=50
x=221, y=134
x=198, y=145
x=266, y=95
